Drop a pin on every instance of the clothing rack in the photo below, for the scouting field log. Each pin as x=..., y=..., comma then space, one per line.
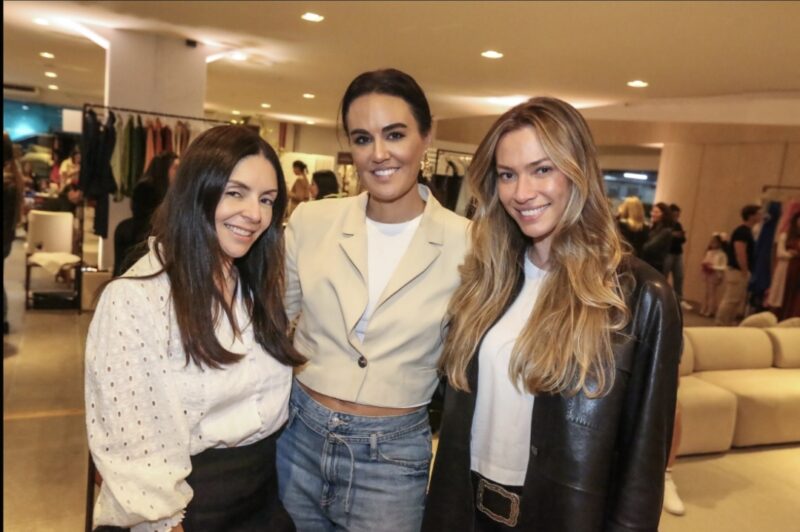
x=87, y=106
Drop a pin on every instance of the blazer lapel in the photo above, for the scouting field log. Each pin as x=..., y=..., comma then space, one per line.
x=425, y=247
x=352, y=287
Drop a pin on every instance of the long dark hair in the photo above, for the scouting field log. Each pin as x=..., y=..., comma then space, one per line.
x=326, y=183
x=189, y=250
x=392, y=82
x=667, y=219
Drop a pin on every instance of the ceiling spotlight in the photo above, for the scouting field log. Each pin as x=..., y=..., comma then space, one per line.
x=310, y=122
x=239, y=56
x=51, y=74
x=308, y=96
x=507, y=101
x=312, y=17
x=53, y=87
x=491, y=54
x=265, y=105
x=236, y=112
x=25, y=107
x=47, y=55
x=637, y=83
x=41, y=21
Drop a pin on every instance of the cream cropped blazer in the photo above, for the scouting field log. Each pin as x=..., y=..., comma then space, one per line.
x=326, y=270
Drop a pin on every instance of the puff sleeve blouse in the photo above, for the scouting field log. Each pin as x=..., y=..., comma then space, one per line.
x=148, y=411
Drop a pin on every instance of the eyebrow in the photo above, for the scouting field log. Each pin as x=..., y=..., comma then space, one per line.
x=529, y=165
x=239, y=184
x=383, y=129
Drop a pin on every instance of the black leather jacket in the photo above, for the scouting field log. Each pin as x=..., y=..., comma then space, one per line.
x=595, y=464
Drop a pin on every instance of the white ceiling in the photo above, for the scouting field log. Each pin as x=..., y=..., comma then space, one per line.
x=691, y=53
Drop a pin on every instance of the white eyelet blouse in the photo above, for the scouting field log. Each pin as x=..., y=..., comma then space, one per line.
x=147, y=411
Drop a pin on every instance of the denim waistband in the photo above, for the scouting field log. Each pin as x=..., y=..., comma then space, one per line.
x=354, y=428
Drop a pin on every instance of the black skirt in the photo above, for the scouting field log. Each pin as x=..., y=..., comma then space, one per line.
x=235, y=490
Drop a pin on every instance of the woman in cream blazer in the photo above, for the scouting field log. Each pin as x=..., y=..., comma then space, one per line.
x=370, y=278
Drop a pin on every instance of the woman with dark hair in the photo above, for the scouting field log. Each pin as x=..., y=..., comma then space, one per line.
x=562, y=349
x=324, y=185
x=659, y=237
x=370, y=277
x=131, y=234
x=188, y=367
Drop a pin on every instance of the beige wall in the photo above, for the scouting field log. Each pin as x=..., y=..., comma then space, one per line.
x=319, y=140
x=711, y=183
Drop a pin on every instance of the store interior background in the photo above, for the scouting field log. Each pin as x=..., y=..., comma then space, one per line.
x=719, y=120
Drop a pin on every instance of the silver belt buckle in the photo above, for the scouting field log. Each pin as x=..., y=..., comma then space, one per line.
x=513, y=516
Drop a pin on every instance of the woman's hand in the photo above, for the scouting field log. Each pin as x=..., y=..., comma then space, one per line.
x=178, y=528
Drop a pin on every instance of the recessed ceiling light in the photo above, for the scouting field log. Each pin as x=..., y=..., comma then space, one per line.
x=236, y=112
x=310, y=122
x=637, y=83
x=239, y=56
x=47, y=55
x=233, y=121
x=491, y=54
x=53, y=87
x=25, y=107
x=41, y=21
x=308, y=96
x=634, y=175
x=507, y=101
x=51, y=74
x=265, y=105
x=312, y=17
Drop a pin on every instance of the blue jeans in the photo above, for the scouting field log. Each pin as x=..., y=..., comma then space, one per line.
x=341, y=472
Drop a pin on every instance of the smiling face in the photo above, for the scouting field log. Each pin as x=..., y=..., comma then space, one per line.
x=245, y=209
x=530, y=188
x=387, y=148
x=656, y=215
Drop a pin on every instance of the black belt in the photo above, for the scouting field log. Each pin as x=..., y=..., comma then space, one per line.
x=498, y=502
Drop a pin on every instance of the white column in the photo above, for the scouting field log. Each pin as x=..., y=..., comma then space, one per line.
x=151, y=73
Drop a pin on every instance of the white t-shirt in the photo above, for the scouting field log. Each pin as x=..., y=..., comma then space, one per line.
x=501, y=425
x=386, y=245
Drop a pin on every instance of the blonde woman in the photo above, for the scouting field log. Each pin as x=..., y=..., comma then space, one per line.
x=562, y=350
x=631, y=223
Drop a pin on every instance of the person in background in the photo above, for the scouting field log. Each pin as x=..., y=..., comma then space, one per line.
x=673, y=264
x=70, y=169
x=713, y=266
x=130, y=236
x=13, y=197
x=562, y=350
x=324, y=185
x=300, y=189
x=631, y=223
x=370, y=277
x=740, y=252
x=784, y=254
x=659, y=237
x=188, y=367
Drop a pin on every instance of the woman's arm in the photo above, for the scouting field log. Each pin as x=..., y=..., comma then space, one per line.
x=647, y=421
x=293, y=297
x=138, y=434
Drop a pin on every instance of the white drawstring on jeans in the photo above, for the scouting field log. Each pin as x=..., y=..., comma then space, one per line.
x=352, y=470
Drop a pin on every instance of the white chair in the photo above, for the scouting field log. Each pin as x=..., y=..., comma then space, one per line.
x=49, y=245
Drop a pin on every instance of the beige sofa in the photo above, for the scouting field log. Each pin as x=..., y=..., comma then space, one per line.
x=739, y=386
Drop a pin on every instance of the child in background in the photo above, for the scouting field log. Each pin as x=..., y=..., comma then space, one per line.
x=713, y=265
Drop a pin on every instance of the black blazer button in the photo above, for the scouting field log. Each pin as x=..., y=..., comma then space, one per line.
x=362, y=362
x=534, y=450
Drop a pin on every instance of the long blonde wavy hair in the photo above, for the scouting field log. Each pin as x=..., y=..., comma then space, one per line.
x=631, y=211
x=566, y=345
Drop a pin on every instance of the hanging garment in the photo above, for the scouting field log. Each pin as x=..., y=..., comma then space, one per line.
x=125, y=157
x=150, y=147
x=97, y=180
x=116, y=158
x=166, y=139
x=157, y=141
x=761, y=273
